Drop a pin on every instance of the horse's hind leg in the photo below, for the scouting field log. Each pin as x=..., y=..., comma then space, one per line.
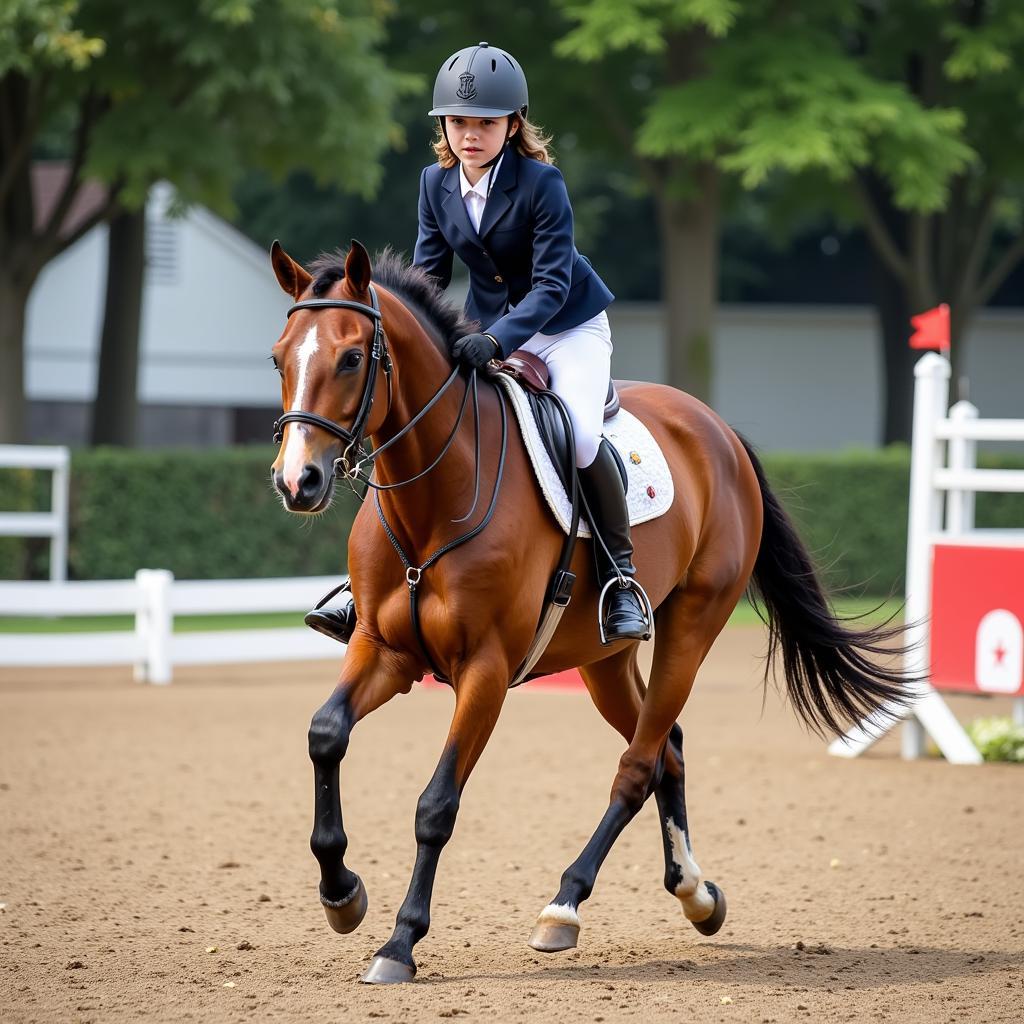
x=703, y=902
x=687, y=624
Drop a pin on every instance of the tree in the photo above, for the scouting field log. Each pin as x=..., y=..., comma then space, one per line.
x=905, y=114
x=190, y=94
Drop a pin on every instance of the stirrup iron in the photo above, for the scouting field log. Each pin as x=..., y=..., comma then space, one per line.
x=625, y=583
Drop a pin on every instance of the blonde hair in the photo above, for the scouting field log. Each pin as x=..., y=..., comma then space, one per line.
x=531, y=141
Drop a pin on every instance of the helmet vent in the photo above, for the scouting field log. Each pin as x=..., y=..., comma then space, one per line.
x=509, y=59
x=454, y=62
x=494, y=65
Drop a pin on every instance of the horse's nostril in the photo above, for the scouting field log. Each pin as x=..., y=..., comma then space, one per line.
x=311, y=480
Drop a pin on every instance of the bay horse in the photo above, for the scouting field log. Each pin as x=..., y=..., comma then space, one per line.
x=368, y=346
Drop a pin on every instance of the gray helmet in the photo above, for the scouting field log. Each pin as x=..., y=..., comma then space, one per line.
x=480, y=81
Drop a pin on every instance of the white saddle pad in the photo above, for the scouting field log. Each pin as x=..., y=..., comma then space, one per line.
x=650, y=491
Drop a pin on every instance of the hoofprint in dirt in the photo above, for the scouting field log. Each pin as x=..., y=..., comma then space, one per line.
x=155, y=856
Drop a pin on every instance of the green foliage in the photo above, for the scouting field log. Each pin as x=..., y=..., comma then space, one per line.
x=213, y=514
x=782, y=91
x=198, y=93
x=41, y=33
x=604, y=26
x=998, y=739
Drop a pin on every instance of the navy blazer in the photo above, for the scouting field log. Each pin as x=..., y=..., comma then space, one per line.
x=523, y=256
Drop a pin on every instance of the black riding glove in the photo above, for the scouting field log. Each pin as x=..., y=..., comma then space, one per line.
x=476, y=350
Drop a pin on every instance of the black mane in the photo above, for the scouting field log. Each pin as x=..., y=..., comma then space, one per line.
x=412, y=284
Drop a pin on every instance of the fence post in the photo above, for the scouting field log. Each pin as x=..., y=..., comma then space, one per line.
x=962, y=456
x=931, y=400
x=154, y=625
x=59, y=507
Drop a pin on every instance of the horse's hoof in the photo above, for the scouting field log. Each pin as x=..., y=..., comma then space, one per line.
x=346, y=915
x=557, y=928
x=383, y=971
x=711, y=924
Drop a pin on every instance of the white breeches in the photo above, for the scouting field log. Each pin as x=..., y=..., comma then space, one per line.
x=580, y=363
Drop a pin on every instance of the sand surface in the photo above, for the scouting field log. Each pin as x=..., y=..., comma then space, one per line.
x=154, y=862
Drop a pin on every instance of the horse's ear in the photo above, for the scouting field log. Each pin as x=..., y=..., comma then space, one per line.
x=290, y=275
x=357, y=267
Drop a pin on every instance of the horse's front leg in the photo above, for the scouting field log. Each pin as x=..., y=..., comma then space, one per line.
x=370, y=676
x=479, y=693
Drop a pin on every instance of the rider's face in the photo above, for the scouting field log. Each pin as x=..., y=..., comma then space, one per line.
x=475, y=140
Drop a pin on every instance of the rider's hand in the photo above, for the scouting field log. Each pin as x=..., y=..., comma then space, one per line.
x=476, y=350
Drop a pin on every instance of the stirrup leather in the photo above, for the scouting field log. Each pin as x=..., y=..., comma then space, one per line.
x=625, y=583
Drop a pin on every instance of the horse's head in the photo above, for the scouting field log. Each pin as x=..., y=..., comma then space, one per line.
x=324, y=359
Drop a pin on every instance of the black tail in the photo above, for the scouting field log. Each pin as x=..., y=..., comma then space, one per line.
x=830, y=677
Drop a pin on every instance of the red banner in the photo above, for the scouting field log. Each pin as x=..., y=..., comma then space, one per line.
x=931, y=328
x=977, y=622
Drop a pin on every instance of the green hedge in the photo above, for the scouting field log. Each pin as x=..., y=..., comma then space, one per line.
x=209, y=514
x=202, y=514
x=851, y=511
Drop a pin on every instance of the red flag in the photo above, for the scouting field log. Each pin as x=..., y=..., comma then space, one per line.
x=931, y=328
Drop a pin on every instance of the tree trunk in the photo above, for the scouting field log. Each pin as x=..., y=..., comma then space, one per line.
x=898, y=357
x=13, y=421
x=115, y=410
x=688, y=230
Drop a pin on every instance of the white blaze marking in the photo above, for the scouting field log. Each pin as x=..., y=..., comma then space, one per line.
x=295, y=450
x=698, y=903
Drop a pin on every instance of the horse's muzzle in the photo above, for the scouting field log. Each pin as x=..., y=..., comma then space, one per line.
x=313, y=492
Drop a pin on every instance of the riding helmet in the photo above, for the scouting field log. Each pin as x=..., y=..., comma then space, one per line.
x=480, y=81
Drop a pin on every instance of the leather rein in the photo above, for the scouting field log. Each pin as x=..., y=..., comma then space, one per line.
x=354, y=436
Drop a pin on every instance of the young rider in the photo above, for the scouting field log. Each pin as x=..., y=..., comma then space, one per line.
x=495, y=199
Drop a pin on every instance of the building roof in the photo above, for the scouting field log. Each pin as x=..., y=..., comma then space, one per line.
x=49, y=178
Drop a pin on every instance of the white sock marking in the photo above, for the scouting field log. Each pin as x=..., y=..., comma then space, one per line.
x=295, y=450
x=691, y=892
x=559, y=913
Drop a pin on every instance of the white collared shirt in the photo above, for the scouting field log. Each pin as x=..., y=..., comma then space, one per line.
x=475, y=196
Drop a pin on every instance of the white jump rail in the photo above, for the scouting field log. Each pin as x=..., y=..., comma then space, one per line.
x=52, y=524
x=154, y=598
x=943, y=478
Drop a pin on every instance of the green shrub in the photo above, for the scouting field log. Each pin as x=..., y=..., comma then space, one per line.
x=998, y=739
x=202, y=514
x=214, y=513
x=851, y=510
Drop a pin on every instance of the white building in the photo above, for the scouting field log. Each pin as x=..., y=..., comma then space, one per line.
x=799, y=378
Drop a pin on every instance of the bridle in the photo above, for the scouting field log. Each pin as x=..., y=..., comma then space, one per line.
x=379, y=359
x=353, y=438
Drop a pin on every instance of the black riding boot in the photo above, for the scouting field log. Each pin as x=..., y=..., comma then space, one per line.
x=338, y=621
x=606, y=499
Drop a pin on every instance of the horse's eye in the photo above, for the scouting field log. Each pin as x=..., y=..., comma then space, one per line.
x=350, y=361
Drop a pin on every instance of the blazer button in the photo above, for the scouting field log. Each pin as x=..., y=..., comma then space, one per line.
x=498, y=279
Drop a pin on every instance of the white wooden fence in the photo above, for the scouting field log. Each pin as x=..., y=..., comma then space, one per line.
x=154, y=598
x=52, y=524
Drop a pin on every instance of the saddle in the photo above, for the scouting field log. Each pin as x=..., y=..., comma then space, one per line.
x=531, y=373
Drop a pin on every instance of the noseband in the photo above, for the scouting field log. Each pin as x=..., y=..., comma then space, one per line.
x=379, y=358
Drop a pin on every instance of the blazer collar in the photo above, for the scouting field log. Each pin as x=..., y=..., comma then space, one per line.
x=498, y=202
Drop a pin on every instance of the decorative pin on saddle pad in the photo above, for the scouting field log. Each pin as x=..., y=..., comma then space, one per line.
x=634, y=457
